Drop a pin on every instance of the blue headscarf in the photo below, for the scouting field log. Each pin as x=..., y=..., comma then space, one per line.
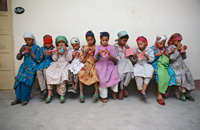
x=104, y=34
x=90, y=33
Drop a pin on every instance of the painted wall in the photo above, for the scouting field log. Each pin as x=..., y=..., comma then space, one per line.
x=138, y=17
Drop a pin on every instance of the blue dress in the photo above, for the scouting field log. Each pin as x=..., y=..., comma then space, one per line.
x=45, y=60
x=169, y=69
x=25, y=77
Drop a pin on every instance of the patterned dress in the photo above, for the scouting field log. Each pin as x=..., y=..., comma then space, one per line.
x=87, y=74
x=182, y=73
x=25, y=77
x=172, y=80
x=45, y=60
x=57, y=72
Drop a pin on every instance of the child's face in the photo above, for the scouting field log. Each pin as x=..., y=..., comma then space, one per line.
x=28, y=41
x=61, y=43
x=48, y=45
x=90, y=40
x=141, y=45
x=123, y=41
x=177, y=42
x=104, y=41
x=161, y=44
x=76, y=46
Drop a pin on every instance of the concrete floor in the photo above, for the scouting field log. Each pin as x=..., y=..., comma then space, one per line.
x=129, y=114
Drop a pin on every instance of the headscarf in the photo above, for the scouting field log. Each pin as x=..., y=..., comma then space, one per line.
x=61, y=38
x=121, y=34
x=174, y=37
x=30, y=35
x=160, y=38
x=74, y=40
x=48, y=39
x=142, y=38
x=104, y=34
x=90, y=33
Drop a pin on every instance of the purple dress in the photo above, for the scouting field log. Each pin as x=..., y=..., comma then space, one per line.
x=106, y=69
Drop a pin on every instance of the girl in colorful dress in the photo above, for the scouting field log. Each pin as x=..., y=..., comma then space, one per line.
x=46, y=59
x=26, y=74
x=164, y=74
x=143, y=70
x=183, y=75
x=75, y=65
x=106, y=67
x=125, y=66
x=57, y=72
x=88, y=75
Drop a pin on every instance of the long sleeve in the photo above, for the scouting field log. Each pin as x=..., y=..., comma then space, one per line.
x=81, y=57
x=37, y=54
x=68, y=56
x=54, y=56
x=151, y=55
x=96, y=56
x=117, y=54
x=174, y=55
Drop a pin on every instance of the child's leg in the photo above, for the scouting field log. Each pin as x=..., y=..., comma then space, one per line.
x=139, y=82
x=168, y=91
x=126, y=83
x=75, y=81
x=50, y=88
x=61, y=88
x=115, y=90
x=70, y=89
x=182, y=93
x=81, y=88
x=41, y=80
x=146, y=82
x=96, y=85
x=103, y=94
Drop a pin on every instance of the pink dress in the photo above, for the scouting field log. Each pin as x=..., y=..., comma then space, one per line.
x=107, y=71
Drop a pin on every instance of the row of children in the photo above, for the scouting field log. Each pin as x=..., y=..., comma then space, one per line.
x=104, y=66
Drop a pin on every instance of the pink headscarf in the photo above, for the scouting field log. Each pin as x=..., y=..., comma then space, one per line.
x=142, y=38
x=174, y=37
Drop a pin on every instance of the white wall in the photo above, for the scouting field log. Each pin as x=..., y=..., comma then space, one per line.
x=138, y=17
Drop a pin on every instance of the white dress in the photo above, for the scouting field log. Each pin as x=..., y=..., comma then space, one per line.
x=76, y=65
x=143, y=68
x=57, y=72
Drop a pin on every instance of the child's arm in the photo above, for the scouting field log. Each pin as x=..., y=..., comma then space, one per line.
x=97, y=54
x=55, y=55
x=173, y=53
x=135, y=56
x=20, y=55
x=150, y=55
x=83, y=55
x=36, y=54
x=68, y=54
x=111, y=55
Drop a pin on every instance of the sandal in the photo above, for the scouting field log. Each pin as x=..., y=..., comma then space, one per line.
x=74, y=91
x=190, y=98
x=70, y=89
x=81, y=99
x=48, y=99
x=24, y=103
x=183, y=98
x=62, y=99
x=121, y=96
x=104, y=100
x=114, y=96
x=125, y=93
x=144, y=96
x=161, y=101
x=95, y=97
x=166, y=95
x=43, y=94
x=16, y=101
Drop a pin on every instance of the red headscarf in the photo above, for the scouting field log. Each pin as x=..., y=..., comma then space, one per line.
x=174, y=37
x=142, y=38
x=48, y=39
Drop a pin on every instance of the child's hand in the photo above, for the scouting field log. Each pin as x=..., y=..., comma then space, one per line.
x=178, y=46
x=87, y=50
x=171, y=51
x=65, y=48
x=137, y=53
x=92, y=49
x=158, y=54
x=101, y=51
x=58, y=48
x=185, y=47
x=29, y=49
x=127, y=47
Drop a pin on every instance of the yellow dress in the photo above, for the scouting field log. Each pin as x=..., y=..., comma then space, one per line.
x=87, y=74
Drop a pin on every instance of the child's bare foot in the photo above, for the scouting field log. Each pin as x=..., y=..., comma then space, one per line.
x=114, y=96
x=121, y=95
x=104, y=100
x=125, y=93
